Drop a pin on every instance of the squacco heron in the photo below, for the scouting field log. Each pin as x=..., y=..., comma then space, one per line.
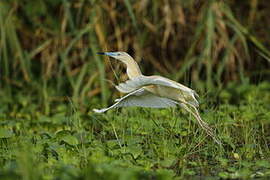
x=154, y=92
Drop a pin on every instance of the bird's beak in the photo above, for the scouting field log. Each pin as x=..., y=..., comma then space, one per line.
x=112, y=54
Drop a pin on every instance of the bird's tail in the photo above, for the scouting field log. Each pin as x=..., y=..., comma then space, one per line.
x=202, y=123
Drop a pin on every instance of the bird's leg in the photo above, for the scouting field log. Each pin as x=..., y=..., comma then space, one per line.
x=207, y=128
x=197, y=117
x=203, y=124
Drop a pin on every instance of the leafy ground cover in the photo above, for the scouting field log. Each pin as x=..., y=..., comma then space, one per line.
x=138, y=143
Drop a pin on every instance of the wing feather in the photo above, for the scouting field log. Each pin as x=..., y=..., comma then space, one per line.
x=141, y=98
x=140, y=81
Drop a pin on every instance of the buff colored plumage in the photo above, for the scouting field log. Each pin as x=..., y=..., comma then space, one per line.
x=154, y=92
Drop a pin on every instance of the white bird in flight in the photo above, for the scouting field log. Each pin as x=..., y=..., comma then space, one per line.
x=154, y=92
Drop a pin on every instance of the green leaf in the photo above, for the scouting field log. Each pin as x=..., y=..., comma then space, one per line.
x=4, y=133
x=69, y=139
x=263, y=163
x=223, y=175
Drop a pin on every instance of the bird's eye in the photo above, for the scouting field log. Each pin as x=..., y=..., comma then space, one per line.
x=118, y=54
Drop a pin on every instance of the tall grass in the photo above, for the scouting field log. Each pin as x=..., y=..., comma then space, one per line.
x=50, y=47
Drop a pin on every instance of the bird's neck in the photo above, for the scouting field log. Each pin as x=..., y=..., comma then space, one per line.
x=133, y=69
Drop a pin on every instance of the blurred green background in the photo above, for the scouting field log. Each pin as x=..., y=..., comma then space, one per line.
x=51, y=78
x=48, y=48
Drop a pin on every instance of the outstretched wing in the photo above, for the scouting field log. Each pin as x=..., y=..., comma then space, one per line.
x=140, y=98
x=140, y=81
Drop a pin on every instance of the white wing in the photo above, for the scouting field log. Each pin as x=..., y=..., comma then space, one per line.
x=140, y=81
x=141, y=98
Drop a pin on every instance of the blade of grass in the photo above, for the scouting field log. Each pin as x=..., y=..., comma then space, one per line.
x=131, y=13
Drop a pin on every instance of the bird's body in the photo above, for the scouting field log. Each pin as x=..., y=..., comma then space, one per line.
x=181, y=95
x=168, y=92
x=154, y=92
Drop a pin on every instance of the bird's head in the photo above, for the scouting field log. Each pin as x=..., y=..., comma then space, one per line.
x=122, y=56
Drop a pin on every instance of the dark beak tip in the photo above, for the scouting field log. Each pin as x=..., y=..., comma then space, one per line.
x=101, y=53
